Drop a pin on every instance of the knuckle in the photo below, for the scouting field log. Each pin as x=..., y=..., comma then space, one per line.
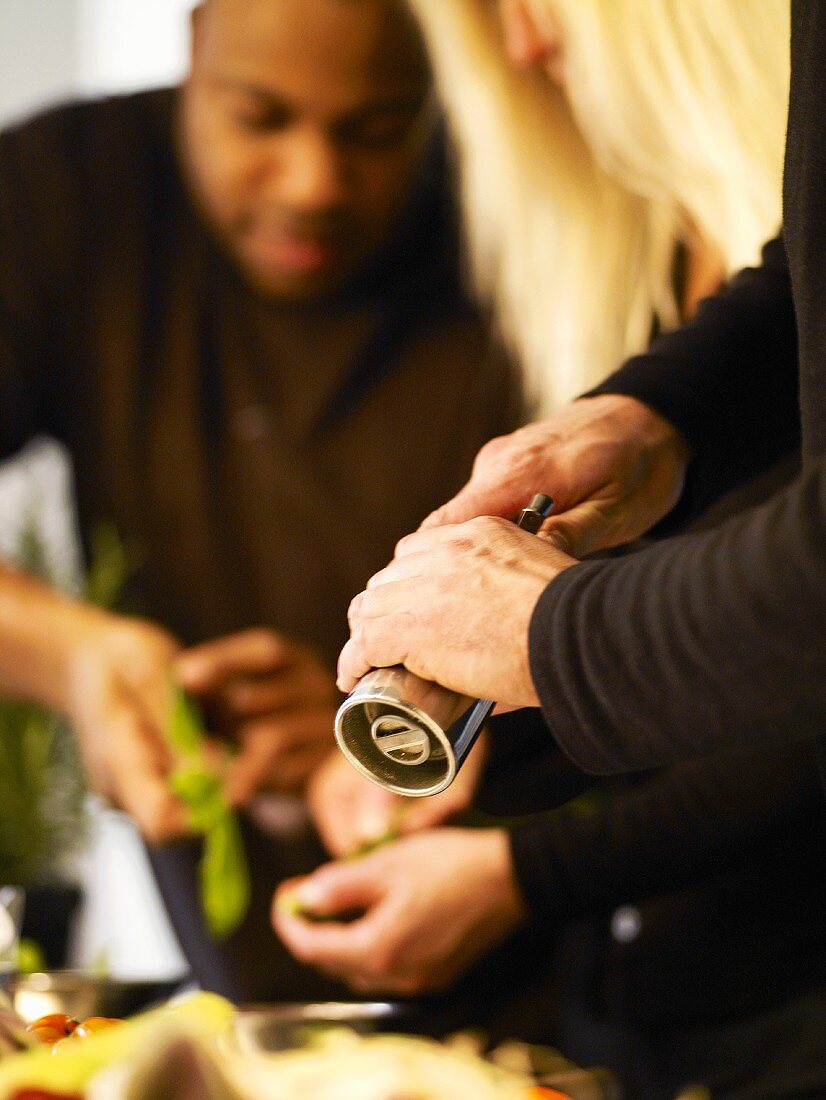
x=489, y=451
x=414, y=986
x=367, y=640
x=464, y=539
x=264, y=640
x=378, y=963
x=405, y=540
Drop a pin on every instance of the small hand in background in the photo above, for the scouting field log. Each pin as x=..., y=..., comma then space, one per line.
x=352, y=813
x=269, y=696
x=426, y=907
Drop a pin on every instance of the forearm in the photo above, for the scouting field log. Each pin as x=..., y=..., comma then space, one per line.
x=700, y=644
x=41, y=630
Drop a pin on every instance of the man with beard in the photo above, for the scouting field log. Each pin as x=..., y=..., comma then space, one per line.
x=237, y=304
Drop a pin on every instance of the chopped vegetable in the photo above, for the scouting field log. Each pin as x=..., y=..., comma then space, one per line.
x=292, y=905
x=43, y=1094
x=52, y=1028
x=30, y=957
x=367, y=846
x=93, y=1024
x=78, y=1060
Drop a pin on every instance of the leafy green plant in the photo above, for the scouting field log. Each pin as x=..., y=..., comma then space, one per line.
x=42, y=790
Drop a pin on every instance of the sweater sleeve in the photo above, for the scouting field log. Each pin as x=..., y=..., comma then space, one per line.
x=727, y=380
x=671, y=830
x=699, y=644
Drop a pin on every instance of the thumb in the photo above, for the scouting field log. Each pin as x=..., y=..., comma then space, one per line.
x=582, y=530
x=336, y=888
x=196, y=671
x=376, y=815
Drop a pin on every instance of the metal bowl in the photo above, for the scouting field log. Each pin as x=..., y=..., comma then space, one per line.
x=81, y=994
x=271, y=1028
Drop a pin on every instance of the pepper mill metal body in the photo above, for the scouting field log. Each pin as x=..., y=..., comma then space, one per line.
x=409, y=735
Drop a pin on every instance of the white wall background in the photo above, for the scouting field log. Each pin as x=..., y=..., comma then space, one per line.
x=51, y=50
x=128, y=44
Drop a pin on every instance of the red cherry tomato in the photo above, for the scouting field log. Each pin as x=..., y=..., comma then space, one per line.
x=94, y=1024
x=52, y=1027
x=43, y=1094
x=48, y=1035
x=58, y=1020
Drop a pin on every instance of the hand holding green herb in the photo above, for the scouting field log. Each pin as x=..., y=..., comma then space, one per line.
x=270, y=696
x=109, y=675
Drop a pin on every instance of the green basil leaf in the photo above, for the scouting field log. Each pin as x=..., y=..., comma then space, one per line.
x=223, y=872
x=186, y=727
x=225, y=881
x=201, y=791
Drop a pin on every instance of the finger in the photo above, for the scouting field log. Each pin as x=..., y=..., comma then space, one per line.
x=295, y=688
x=292, y=731
x=376, y=643
x=341, y=887
x=296, y=770
x=336, y=888
x=583, y=529
x=424, y=540
x=429, y=813
x=393, y=597
x=479, y=499
x=278, y=755
x=208, y=666
x=421, y=563
x=365, y=950
x=284, y=892
x=348, y=810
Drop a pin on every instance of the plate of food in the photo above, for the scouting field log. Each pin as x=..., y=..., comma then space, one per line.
x=199, y=1047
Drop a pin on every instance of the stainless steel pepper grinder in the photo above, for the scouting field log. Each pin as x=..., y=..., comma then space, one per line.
x=406, y=734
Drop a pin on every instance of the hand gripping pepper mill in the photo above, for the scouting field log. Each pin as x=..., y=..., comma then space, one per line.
x=406, y=734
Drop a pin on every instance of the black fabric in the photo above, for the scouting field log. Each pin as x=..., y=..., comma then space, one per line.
x=719, y=854
x=716, y=641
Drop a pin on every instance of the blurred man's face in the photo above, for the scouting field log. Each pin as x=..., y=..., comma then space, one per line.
x=303, y=122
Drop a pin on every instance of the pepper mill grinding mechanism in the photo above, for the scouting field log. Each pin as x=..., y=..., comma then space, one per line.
x=406, y=734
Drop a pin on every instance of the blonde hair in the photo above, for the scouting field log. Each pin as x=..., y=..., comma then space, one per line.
x=669, y=129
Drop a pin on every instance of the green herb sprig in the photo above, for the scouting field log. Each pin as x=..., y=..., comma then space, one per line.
x=223, y=872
